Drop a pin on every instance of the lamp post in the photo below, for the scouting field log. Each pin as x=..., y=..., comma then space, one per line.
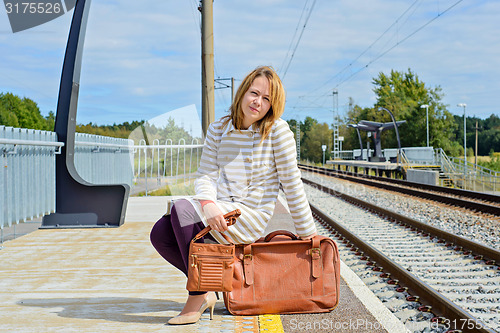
x=426, y=106
x=463, y=105
x=395, y=128
x=323, y=147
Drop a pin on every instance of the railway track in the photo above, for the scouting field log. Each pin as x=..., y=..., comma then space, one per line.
x=451, y=282
x=474, y=201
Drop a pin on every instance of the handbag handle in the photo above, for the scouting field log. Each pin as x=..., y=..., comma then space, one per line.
x=280, y=233
x=232, y=216
x=230, y=220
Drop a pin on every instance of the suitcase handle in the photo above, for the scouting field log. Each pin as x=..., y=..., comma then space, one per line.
x=280, y=233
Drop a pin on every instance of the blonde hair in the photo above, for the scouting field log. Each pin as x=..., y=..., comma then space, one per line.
x=276, y=97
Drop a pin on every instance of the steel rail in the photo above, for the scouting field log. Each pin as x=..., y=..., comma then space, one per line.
x=450, y=190
x=440, y=305
x=487, y=253
x=472, y=205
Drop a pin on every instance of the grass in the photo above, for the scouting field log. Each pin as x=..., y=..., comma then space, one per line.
x=184, y=189
x=491, y=162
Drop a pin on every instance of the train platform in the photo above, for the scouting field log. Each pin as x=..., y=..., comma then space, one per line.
x=354, y=164
x=112, y=280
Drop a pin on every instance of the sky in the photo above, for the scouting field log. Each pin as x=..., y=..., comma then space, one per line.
x=142, y=59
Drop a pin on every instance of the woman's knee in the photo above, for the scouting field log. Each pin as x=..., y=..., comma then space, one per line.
x=159, y=232
x=180, y=206
x=184, y=213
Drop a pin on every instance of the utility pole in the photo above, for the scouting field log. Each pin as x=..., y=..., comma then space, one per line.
x=336, y=151
x=463, y=105
x=475, y=151
x=207, y=65
x=297, y=136
x=232, y=90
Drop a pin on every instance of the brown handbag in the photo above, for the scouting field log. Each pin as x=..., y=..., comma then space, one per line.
x=211, y=266
x=284, y=274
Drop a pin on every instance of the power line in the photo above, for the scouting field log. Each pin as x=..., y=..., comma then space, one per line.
x=294, y=34
x=371, y=45
x=194, y=10
x=298, y=40
x=380, y=55
x=398, y=43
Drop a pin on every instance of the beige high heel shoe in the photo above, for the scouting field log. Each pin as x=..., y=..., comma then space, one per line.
x=209, y=302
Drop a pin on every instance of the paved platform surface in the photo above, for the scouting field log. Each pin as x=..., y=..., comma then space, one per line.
x=112, y=280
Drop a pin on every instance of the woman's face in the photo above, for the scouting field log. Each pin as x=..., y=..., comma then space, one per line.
x=256, y=101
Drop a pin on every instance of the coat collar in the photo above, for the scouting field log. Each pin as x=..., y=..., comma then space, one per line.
x=230, y=128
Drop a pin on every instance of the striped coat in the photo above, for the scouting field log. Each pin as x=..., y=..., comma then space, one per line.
x=237, y=171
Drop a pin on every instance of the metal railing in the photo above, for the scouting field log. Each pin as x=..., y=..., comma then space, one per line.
x=467, y=176
x=27, y=169
x=405, y=162
x=453, y=171
x=104, y=160
x=27, y=174
x=158, y=164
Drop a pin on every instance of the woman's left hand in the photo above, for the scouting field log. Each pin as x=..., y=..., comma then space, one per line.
x=215, y=218
x=309, y=237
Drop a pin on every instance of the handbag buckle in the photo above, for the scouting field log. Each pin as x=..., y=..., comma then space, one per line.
x=194, y=260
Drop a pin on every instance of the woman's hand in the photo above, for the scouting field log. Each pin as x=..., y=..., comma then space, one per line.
x=215, y=218
x=308, y=237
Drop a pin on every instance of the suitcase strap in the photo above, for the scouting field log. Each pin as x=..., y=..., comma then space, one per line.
x=248, y=264
x=315, y=258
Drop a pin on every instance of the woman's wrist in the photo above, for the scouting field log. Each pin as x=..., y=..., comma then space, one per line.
x=205, y=202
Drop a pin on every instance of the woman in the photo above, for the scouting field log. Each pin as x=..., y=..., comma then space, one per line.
x=246, y=155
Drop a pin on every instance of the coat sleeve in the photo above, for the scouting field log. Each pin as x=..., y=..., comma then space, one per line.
x=285, y=156
x=205, y=185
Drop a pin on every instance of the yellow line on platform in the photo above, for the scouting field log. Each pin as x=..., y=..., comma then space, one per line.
x=270, y=323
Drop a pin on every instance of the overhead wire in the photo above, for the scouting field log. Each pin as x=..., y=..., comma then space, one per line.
x=197, y=19
x=299, y=38
x=398, y=43
x=384, y=52
x=371, y=45
x=293, y=37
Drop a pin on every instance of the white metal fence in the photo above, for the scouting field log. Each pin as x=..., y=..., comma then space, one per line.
x=453, y=171
x=27, y=174
x=104, y=160
x=27, y=167
x=158, y=163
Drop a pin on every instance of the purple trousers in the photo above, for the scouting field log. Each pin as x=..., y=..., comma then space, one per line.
x=172, y=234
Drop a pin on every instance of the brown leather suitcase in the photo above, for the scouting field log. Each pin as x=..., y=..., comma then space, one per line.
x=283, y=274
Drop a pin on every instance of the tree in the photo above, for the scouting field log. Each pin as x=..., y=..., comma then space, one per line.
x=171, y=130
x=404, y=94
x=51, y=121
x=10, y=106
x=18, y=112
x=318, y=135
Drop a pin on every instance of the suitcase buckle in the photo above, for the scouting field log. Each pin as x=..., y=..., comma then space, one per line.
x=315, y=250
